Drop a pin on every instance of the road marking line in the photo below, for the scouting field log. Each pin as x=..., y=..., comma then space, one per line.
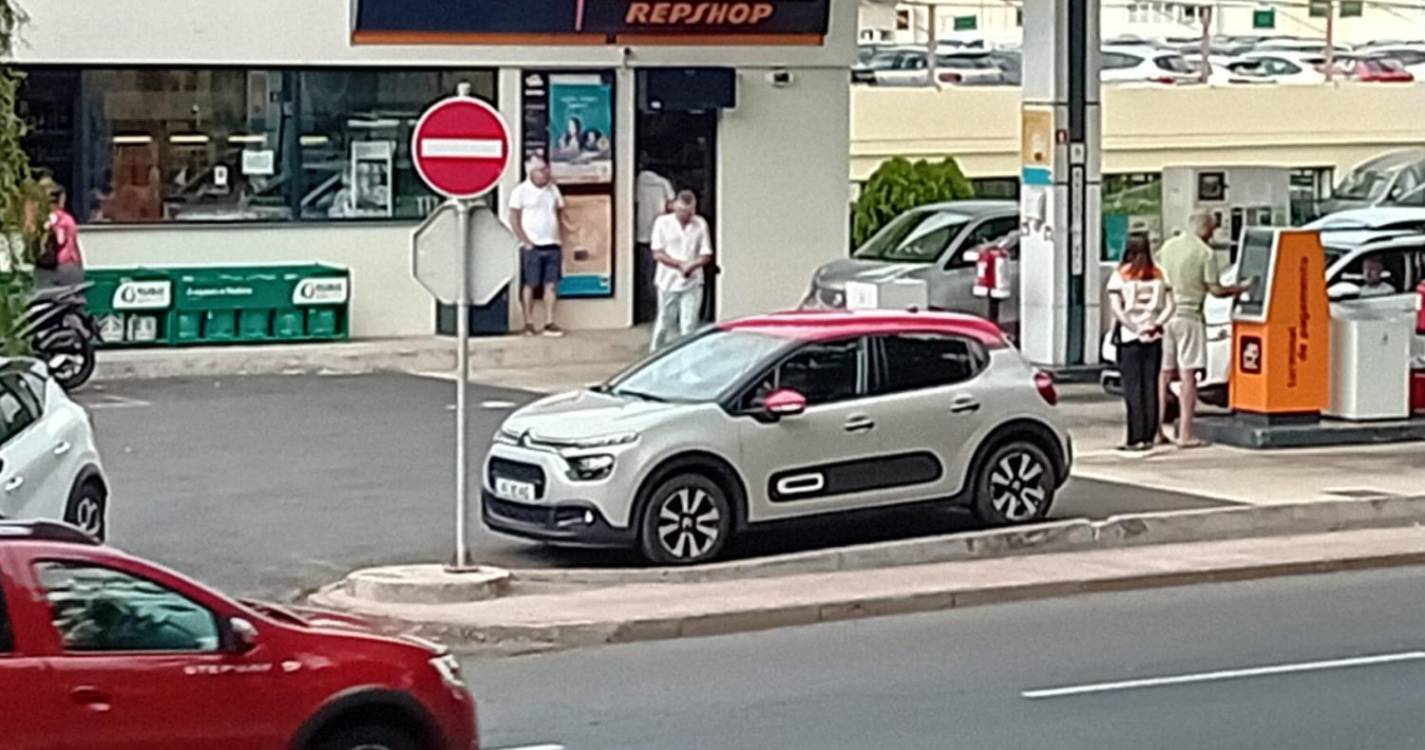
x=115, y=402
x=1227, y=674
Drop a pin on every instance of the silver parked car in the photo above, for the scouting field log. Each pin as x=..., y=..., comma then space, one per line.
x=936, y=244
x=779, y=417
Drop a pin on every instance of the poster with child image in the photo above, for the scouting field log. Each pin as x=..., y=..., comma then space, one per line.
x=581, y=129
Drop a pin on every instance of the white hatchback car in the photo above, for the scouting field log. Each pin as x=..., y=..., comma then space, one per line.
x=779, y=417
x=49, y=462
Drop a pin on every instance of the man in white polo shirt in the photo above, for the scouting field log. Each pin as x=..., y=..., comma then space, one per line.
x=681, y=249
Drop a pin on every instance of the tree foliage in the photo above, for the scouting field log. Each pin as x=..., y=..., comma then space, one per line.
x=899, y=185
x=22, y=200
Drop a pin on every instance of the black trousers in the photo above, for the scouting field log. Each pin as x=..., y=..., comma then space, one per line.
x=1140, y=364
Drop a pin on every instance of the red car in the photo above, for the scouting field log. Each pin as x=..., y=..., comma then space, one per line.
x=100, y=650
x=1374, y=69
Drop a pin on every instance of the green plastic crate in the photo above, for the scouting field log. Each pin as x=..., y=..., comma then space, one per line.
x=187, y=326
x=289, y=324
x=129, y=300
x=219, y=325
x=322, y=322
x=254, y=325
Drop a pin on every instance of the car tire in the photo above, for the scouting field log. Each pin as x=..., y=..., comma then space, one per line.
x=686, y=520
x=1014, y=484
x=88, y=508
x=371, y=736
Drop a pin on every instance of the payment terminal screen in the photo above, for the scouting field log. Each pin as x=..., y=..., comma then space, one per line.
x=1256, y=263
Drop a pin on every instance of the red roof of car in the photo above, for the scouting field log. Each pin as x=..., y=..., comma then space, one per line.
x=815, y=325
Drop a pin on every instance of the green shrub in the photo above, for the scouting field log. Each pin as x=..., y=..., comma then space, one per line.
x=899, y=185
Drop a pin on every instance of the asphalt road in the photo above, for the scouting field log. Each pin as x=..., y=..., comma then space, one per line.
x=1330, y=662
x=271, y=485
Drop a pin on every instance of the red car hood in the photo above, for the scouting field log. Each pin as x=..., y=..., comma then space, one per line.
x=325, y=619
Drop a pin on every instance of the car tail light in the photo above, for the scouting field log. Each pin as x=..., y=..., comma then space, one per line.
x=1045, y=383
x=951, y=78
x=1166, y=80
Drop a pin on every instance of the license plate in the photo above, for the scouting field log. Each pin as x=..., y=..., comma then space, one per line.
x=512, y=490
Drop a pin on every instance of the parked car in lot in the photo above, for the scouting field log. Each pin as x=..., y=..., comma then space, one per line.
x=99, y=649
x=936, y=244
x=1411, y=56
x=1372, y=68
x=780, y=417
x=1290, y=68
x=889, y=58
x=49, y=461
x=974, y=67
x=1144, y=63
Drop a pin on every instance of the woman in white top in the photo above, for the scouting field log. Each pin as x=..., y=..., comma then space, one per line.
x=1142, y=304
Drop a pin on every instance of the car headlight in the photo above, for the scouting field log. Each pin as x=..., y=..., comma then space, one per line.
x=448, y=667
x=590, y=468
x=602, y=441
x=505, y=437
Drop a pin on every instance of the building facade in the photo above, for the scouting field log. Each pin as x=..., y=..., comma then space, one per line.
x=273, y=131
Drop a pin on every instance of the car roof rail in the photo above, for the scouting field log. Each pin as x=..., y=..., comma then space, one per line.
x=44, y=531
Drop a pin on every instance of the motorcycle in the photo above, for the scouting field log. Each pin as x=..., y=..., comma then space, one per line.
x=62, y=333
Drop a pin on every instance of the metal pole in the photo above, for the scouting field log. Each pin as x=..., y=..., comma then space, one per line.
x=462, y=354
x=1330, y=41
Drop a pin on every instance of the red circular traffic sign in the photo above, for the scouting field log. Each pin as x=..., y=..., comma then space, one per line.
x=461, y=147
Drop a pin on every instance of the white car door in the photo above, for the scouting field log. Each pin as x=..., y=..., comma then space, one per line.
x=27, y=482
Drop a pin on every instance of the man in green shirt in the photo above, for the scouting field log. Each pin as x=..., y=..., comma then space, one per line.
x=1191, y=267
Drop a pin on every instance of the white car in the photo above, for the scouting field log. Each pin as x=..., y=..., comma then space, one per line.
x=1144, y=63
x=975, y=67
x=1290, y=68
x=49, y=462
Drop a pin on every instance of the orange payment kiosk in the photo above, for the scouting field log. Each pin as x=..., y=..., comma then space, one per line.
x=1281, y=329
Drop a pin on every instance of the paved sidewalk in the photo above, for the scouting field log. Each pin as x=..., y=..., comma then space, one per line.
x=650, y=611
x=492, y=358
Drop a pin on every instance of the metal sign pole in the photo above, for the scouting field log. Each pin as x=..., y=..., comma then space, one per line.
x=462, y=354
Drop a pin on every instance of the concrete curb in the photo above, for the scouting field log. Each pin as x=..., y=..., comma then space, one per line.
x=425, y=354
x=1059, y=536
x=529, y=638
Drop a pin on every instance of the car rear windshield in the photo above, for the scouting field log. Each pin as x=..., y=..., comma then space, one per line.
x=700, y=369
x=918, y=236
x=1173, y=63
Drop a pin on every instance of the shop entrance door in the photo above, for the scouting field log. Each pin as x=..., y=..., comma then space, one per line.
x=681, y=147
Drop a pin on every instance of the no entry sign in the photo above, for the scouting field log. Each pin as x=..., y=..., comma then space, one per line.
x=461, y=147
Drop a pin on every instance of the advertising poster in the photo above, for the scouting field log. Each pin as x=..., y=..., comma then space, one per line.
x=581, y=129
x=588, y=246
x=371, y=178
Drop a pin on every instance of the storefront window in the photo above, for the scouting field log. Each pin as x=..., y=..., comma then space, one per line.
x=232, y=145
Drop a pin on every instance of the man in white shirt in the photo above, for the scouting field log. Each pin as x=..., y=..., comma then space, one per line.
x=1374, y=284
x=681, y=249
x=653, y=197
x=536, y=215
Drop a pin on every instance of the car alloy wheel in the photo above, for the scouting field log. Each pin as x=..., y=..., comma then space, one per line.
x=1016, y=485
x=86, y=510
x=687, y=521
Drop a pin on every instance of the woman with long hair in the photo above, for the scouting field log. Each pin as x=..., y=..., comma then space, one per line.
x=1142, y=303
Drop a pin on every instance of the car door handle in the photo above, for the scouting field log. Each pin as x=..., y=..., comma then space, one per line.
x=14, y=483
x=62, y=448
x=859, y=423
x=964, y=405
x=90, y=697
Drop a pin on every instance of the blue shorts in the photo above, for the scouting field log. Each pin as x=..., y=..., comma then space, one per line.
x=541, y=265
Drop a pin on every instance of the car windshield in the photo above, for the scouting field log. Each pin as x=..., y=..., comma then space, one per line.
x=1173, y=63
x=700, y=369
x=917, y=236
x=1365, y=184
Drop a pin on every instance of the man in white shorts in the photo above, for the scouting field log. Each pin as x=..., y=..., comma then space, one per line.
x=1191, y=267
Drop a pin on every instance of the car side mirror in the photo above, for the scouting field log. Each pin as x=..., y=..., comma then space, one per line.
x=1343, y=290
x=242, y=635
x=784, y=402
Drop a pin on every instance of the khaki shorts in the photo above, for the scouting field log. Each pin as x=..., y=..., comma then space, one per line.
x=1184, y=344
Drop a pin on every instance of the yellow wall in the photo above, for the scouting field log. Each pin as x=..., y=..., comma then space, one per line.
x=1147, y=128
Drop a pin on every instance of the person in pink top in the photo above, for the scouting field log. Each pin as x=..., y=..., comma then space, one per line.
x=68, y=261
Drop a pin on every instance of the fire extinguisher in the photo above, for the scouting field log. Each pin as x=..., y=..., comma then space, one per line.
x=992, y=278
x=1420, y=310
